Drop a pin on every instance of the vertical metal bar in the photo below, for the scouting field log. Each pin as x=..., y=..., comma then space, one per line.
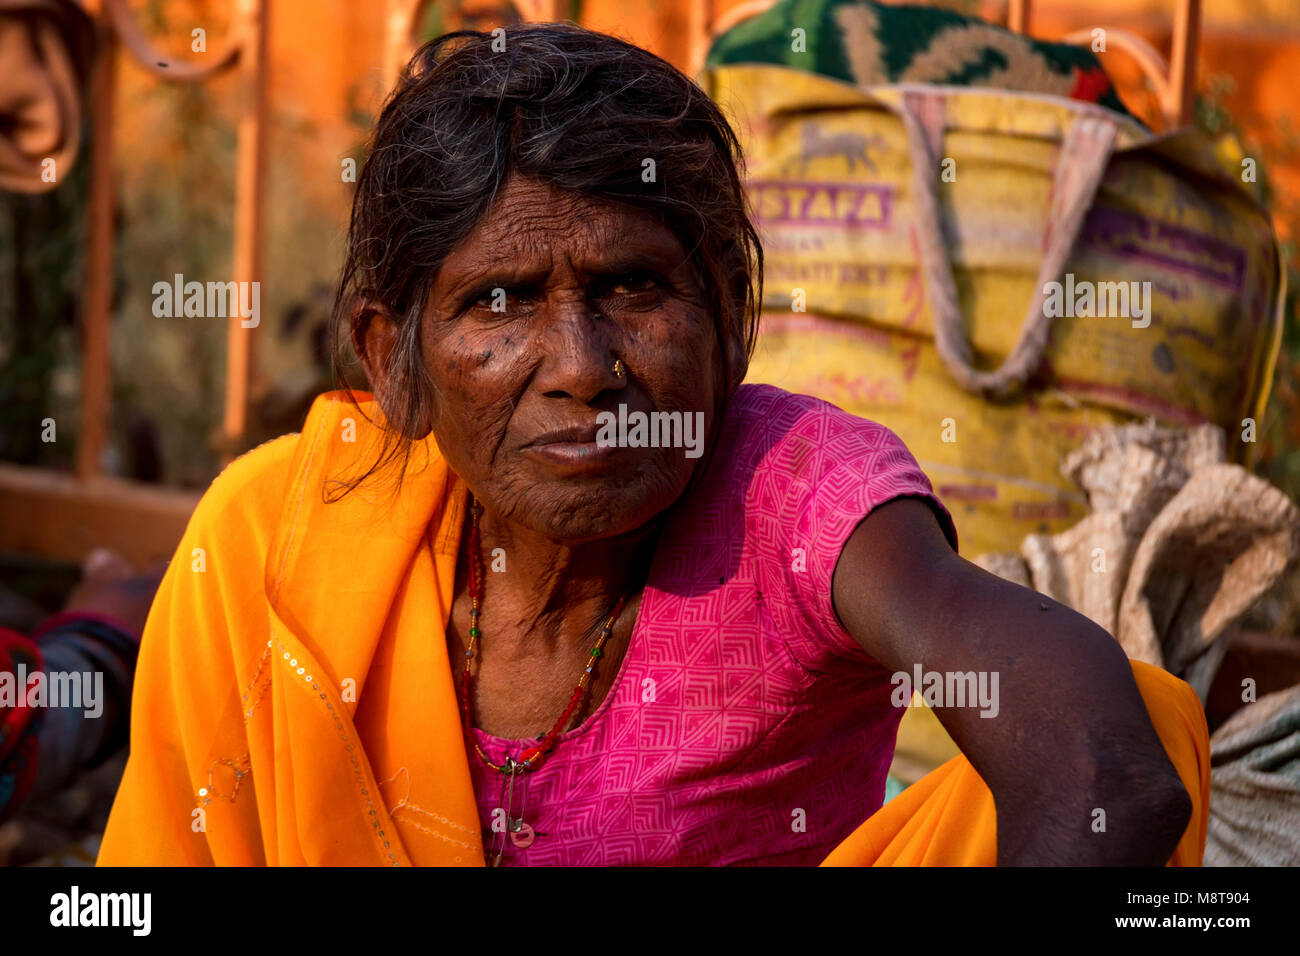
x=398, y=29
x=1182, y=63
x=539, y=11
x=699, y=25
x=250, y=183
x=1018, y=12
x=99, y=257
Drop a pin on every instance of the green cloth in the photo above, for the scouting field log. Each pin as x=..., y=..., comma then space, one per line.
x=869, y=44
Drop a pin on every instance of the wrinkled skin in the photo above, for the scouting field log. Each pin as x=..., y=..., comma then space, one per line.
x=505, y=378
x=586, y=282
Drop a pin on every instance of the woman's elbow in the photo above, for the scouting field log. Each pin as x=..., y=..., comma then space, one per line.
x=1168, y=807
x=1150, y=809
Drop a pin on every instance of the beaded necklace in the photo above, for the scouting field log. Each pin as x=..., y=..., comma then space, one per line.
x=534, y=757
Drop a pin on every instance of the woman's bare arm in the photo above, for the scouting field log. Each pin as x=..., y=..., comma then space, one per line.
x=1071, y=733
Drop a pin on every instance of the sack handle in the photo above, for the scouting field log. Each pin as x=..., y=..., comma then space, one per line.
x=1084, y=153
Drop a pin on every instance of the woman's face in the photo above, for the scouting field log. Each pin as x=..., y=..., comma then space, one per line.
x=520, y=335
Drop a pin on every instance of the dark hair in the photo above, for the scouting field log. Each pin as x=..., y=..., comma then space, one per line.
x=577, y=109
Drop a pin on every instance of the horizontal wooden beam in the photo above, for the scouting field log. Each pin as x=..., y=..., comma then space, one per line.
x=55, y=515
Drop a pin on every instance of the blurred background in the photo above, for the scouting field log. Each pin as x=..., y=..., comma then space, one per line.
x=328, y=69
x=218, y=158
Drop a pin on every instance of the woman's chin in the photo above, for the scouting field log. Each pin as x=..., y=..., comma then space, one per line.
x=590, y=503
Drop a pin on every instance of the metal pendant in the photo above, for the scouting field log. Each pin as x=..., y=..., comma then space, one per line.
x=521, y=834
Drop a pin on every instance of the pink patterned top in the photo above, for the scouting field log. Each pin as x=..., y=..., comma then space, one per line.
x=745, y=725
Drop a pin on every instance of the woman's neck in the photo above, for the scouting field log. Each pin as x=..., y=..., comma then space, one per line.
x=556, y=592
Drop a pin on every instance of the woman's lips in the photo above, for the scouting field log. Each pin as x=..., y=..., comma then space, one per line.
x=572, y=455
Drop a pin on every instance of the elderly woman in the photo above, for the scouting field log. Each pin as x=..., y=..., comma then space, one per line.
x=466, y=619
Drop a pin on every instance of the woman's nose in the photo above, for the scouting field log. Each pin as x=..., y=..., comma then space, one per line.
x=577, y=352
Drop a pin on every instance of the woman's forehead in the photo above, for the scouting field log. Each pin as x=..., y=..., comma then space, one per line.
x=531, y=224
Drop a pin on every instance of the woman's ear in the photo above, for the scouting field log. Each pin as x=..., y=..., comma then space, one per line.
x=374, y=333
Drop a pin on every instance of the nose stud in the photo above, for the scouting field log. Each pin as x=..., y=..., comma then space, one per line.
x=619, y=368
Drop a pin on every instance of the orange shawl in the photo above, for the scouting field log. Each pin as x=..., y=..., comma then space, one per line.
x=245, y=748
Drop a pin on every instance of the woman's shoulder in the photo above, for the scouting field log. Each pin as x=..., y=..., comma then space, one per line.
x=806, y=432
x=815, y=472
x=802, y=456
x=253, y=486
x=755, y=400
x=777, y=407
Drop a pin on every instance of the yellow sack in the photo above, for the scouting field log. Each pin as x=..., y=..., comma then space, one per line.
x=913, y=234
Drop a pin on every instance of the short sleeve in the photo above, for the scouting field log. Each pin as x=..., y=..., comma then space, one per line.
x=821, y=476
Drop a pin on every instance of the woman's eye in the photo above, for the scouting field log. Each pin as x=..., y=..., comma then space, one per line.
x=635, y=284
x=501, y=301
